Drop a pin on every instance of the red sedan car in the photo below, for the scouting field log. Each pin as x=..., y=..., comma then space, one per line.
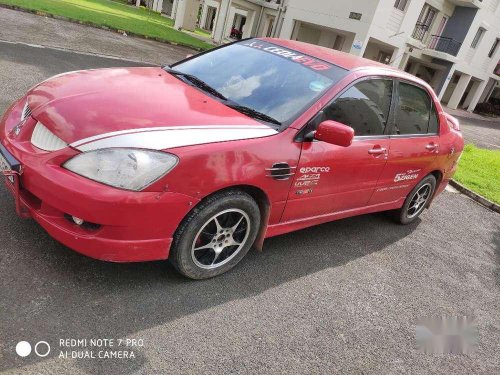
x=199, y=161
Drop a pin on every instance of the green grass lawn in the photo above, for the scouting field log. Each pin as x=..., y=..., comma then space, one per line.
x=203, y=33
x=479, y=170
x=116, y=15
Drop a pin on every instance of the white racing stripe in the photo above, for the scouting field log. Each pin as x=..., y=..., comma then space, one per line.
x=170, y=137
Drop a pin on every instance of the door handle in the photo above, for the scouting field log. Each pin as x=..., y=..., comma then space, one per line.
x=431, y=146
x=377, y=151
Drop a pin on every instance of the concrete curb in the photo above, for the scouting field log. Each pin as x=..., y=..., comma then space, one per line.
x=478, y=198
x=91, y=24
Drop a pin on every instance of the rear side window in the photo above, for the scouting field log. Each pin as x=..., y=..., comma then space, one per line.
x=434, y=121
x=413, y=113
x=364, y=107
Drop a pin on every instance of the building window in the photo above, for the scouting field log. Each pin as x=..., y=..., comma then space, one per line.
x=478, y=37
x=494, y=48
x=425, y=22
x=401, y=4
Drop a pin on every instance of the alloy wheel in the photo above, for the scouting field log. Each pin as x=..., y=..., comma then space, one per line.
x=220, y=239
x=419, y=200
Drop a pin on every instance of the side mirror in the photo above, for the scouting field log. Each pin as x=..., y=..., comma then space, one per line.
x=335, y=133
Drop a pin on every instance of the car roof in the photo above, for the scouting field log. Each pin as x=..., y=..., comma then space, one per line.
x=342, y=59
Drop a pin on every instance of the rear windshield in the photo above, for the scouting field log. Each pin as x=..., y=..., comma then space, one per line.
x=276, y=81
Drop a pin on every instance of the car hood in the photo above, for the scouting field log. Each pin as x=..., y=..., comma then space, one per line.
x=136, y=107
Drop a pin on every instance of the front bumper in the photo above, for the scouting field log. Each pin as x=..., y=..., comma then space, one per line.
x=131, y=226
x=116, y=243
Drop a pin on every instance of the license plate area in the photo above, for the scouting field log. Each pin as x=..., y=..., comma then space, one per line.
x=10, y=167
x=9, y=164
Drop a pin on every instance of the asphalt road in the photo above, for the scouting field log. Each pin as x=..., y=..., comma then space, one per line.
x=342, y=297
x=483, y=133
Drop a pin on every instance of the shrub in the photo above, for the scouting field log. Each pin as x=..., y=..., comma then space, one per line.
x=488, y=109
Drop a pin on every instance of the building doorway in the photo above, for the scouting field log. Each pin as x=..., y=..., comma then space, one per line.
x=167, y=7
x=210, y=19
x=439, y=32
x=269, y=29
x=238, y=25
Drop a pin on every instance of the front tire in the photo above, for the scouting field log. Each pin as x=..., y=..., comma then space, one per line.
x=417, y=200
x=216, y=235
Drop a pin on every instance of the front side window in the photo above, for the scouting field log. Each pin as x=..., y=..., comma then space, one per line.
x=364, y=107
x=413, y=113
x=433, y=121
x=276, y=81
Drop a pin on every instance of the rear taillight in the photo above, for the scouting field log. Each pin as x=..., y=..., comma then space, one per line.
x=453, y=122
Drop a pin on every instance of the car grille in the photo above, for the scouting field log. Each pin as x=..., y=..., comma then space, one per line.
x=45, y=140
x=26, y=112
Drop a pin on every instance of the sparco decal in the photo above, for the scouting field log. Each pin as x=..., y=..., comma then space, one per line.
x=411, y=174
x=302, y=192
x=309, y=177
x=314, y=169
x=306, y=183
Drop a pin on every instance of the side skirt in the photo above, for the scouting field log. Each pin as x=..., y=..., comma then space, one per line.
x=291, y=226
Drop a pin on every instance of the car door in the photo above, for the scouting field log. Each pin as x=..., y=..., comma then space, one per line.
x=414, y=143
x=332, y=178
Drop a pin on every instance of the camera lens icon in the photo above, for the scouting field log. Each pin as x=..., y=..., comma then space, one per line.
x=23, y=348
x=42, y=348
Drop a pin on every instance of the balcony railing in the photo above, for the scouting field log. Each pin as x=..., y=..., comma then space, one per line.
x=443, y=44
x=420, y=30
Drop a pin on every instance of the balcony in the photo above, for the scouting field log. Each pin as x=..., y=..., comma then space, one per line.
x=420, y=31
x=443, y=44
x=442, y=48
x=271, y=4
x=467, y=3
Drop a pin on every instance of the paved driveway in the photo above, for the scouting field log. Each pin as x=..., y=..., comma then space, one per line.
x=484, y=132
x=342, y=297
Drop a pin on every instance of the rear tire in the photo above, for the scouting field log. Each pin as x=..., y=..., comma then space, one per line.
x=216, y=235
x=416, y=201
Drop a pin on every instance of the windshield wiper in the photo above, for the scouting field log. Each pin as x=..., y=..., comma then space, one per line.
x=253, y=113
x=197, y=82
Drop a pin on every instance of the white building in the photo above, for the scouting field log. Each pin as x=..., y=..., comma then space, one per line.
x=451, y=44
x=235, y=19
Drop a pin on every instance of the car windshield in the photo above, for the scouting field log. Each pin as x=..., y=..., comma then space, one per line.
x=261, y=76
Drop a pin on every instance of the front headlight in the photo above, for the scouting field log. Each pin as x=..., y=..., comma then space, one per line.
x=129, y=169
